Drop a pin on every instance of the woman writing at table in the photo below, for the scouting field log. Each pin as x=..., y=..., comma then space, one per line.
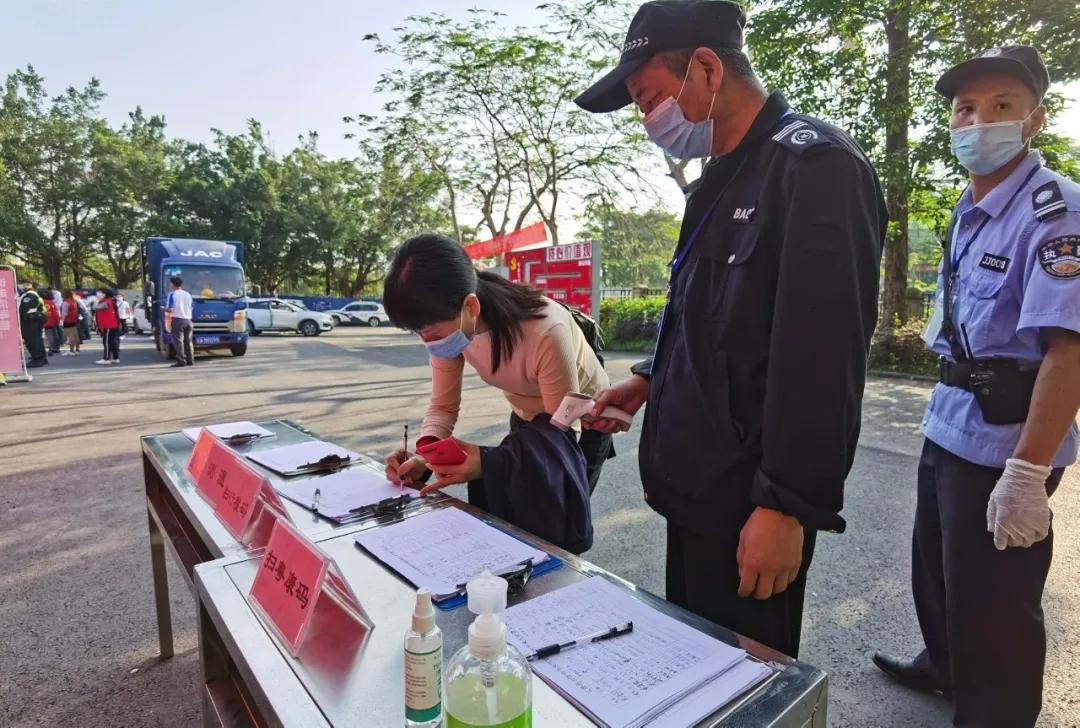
x=515, y=338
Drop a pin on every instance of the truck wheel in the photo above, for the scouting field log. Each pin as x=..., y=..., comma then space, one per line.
x=309, y=328
x=252, y=331
x=238, y=349
x=374, y=322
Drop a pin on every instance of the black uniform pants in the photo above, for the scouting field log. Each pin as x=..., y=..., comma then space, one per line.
x=703, y=576
x=980, y=609
x=35, y=344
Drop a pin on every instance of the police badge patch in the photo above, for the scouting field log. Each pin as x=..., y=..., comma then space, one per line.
x=1060, y=257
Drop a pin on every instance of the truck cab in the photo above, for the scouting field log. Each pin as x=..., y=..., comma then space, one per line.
x=213, y=273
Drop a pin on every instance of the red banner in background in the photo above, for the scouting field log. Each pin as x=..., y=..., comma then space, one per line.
x=500, y=244
x=11, y=361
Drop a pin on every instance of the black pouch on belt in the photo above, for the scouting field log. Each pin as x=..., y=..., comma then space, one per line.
x=1002, y=389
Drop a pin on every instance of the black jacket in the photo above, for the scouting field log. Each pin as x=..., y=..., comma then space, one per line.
x=757, y=379
x=536, y=480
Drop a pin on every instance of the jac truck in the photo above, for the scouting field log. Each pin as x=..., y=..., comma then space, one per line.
x=213, y=273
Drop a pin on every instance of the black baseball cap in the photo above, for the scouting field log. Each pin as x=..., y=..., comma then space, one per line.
x=665, y=25
x=1022, y=62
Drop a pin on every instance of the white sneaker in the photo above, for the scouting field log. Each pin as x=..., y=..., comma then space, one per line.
x=102, y=361
x=67, y=353
x=115, y=361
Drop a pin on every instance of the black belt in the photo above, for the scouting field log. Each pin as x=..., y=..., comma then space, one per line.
x=954, y=373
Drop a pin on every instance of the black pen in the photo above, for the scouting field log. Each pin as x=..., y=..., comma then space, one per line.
x=405, y=451
x=600, y=636
x=315, y=500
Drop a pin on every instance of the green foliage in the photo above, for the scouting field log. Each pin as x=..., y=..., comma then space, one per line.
x=900, y=348
x=636, y=246
x=78, y=196
x=630, y=323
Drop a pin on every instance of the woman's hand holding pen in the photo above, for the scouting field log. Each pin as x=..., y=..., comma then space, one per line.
x=405, y=468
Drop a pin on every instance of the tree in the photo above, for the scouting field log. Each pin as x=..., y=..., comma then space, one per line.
x=635, y=246
x=870, y=66
x=490, y=111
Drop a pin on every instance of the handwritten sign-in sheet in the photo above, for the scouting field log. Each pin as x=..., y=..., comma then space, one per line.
x=626, y=681
x=444, y=548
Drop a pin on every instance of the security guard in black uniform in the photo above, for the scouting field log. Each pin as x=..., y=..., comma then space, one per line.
x=755, y=386
x=31, y=322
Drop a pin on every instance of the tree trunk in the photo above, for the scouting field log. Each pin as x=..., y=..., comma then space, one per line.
x=897, y=171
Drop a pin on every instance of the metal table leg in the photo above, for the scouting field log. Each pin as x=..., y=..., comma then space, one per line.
x=161, y=589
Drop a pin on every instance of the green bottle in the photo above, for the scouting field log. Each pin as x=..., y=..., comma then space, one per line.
x=488, y=682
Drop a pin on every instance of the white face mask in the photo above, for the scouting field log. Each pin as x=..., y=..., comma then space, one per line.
x=985, y=148
x=668, y=127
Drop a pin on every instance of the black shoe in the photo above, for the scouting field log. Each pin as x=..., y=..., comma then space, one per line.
x=31, y=365
x=912, y=675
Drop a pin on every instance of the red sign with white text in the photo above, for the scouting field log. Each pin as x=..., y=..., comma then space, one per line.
x=563, y=273
x=11, y=358
x=289, y=580
x=223, y=479
x=529, y=235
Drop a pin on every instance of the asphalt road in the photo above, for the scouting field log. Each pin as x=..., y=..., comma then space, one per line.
x=77, y=633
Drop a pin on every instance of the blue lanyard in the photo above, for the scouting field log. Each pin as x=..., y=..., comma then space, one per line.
x=958, y=259
x=680, y=255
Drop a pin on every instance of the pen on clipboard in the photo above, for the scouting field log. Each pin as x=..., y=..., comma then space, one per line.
x=606, y=634
x=405, y=449
x=315, y=500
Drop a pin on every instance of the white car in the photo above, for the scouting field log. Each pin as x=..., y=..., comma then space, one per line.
x=141, y=322
x=275, y=314
x=360, y=312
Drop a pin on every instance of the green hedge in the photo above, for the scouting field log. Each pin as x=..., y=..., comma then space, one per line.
x=902, y=349
x=629, y=324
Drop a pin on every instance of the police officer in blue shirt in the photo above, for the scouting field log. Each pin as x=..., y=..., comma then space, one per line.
x=1000, y=427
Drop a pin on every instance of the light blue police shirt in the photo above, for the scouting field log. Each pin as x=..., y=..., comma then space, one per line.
x=1017, y=276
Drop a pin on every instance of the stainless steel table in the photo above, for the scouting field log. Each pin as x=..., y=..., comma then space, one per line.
x=331, y=686
x=250, y=679
x=185, y=523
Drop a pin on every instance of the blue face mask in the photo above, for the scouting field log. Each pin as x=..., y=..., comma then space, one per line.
x=985, y=148
x=449, y=347
x=669, y=129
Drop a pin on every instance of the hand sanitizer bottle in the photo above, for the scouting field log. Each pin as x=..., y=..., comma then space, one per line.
x=488, y=682
x=423, y=666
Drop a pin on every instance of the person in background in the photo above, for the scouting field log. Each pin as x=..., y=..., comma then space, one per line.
x=108, y=324
x=69, y=320
x=31, y=319
x=124, y=312
x=52, y=322
x=84, y=319
x=516, y=339
x=178, y=306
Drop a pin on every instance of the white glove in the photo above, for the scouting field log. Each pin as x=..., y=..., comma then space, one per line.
x=1019, y=510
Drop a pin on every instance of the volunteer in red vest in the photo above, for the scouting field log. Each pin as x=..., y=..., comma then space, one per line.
x=69, y=319
x=52, y=321
x=108, y=323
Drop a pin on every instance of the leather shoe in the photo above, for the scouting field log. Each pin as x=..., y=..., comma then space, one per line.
x=911, y=674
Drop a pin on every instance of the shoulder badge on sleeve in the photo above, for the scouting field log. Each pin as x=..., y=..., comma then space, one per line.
x=798, y=135
x=1060, y=257
x=1047, y=201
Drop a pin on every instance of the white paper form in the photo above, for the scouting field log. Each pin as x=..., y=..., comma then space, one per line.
x=341, y=492
x=288, y=460
x=625, y=681
x=227, y=430
x=444, y=548
x=714, y=695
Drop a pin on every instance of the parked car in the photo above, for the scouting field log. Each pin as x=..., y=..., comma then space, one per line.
x=275, y=314
x=360, y=312
x=140, y=321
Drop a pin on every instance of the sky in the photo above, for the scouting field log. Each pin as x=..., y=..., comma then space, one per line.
x=295, y=65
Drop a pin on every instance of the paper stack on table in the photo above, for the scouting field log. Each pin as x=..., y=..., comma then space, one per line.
x=340, y=494
x=443, y=549
x=292, y=459
x=227, y=430
x=664, y=673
